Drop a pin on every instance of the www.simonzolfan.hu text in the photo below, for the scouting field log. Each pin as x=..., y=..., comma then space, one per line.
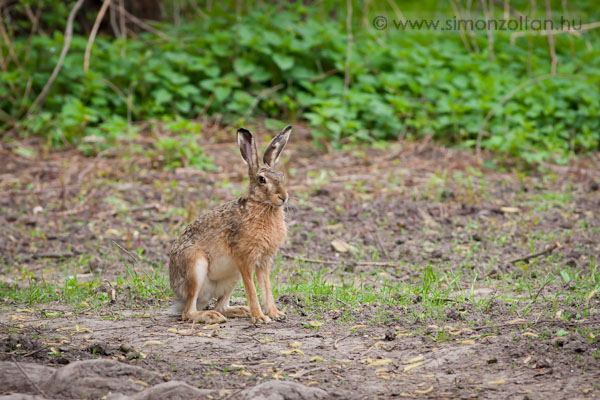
x=455, y=24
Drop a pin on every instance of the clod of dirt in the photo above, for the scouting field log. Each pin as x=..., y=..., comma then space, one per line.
x=454, y=315
x=98, y=349
x=578, y=345
x=20, y=342
x=559, y=341
x=168, y=390
x=95, y=265
x=12, y=378
x=279, y=390
x=95, y=378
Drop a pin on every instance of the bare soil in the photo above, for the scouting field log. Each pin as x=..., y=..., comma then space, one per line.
x=413, y=204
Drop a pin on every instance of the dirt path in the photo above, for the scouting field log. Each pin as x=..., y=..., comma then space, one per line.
x=429, y=303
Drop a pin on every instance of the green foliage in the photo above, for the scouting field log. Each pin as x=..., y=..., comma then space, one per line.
x=287, y=61
x=181, y=151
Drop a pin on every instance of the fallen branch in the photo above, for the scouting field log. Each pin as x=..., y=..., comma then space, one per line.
x=27, y=377
x=53, y=255
x=68, y=36
x=141, y=208
x=336, y=262
x=88, y=48
x=538, y=322
x=336, y=343
x=544, y=252
x=134, y=258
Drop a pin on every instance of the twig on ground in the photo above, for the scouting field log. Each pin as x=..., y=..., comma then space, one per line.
x=141, y=208
x=530, y=302
x=257, y=341
x=34, y=352
x=68, y=36
x=134, y=258
x=233, y=394
x=335, y=262
x=343, y=302
x=544, y=252
x=87, y=169
x=537, y=322
x=90, y=43
x=27, y=377
x=336, y=343
x=380, y=242
x=53, y=255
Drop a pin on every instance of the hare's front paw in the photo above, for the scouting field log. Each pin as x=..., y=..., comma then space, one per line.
x=274, y=313
x=260, y=319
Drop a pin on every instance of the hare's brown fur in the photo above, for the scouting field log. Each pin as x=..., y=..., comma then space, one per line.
x=236, y=239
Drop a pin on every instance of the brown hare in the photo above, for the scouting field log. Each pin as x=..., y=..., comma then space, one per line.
x=236, y=239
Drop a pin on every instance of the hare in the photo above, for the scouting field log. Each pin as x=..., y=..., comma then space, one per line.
x=236, y=239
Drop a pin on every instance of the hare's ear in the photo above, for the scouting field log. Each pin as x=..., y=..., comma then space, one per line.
x=276, y=146
x=248, y=149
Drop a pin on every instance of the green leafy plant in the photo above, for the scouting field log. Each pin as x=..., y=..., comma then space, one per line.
x=240, y=66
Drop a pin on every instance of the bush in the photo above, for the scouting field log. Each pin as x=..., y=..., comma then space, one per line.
x=287, y=62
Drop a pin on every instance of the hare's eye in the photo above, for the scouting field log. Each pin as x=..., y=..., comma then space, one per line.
x=262, y=179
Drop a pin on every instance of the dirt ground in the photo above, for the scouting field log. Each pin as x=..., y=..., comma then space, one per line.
x=404, y=209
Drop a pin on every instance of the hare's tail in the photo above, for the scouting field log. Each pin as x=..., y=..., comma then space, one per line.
x=175, y=309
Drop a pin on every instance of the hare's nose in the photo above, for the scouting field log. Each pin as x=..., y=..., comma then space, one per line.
x=283, y=198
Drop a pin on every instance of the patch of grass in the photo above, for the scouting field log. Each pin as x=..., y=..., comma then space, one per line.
x=131, y=289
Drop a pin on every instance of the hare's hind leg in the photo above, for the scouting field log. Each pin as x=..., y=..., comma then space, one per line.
x=224, y=308
x=197, y=276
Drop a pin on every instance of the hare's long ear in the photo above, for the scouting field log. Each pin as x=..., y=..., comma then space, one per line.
x=276, y=146
x=248, y=149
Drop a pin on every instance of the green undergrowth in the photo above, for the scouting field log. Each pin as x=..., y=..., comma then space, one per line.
x=286, y=62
